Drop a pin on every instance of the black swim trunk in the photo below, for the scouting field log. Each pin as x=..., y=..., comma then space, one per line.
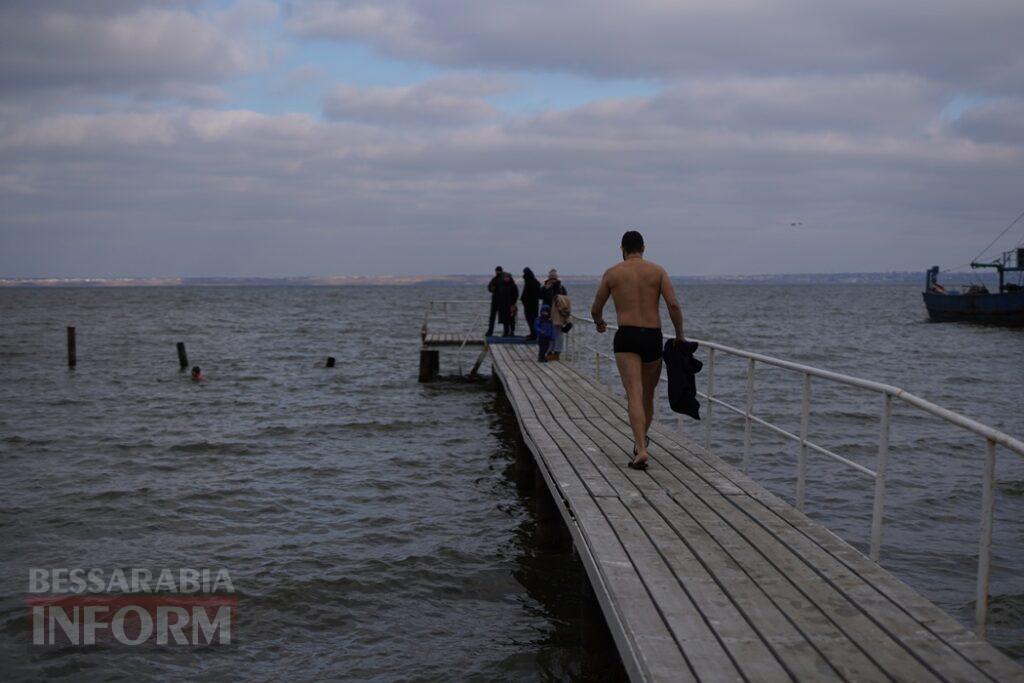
x=644, y=341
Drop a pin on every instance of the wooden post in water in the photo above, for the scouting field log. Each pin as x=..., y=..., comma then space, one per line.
x=430, y=364
x=595, y=638
x=548, y=529
x=182, y=356
x=525, y=468
x=72, y=350
x=545, y=505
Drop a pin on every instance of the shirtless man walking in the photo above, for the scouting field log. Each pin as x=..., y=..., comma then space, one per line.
x=636, y=286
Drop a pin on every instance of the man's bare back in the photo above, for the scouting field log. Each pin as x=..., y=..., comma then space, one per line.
x=636, y=286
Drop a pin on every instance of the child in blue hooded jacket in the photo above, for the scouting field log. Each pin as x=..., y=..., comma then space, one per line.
x=545, y=332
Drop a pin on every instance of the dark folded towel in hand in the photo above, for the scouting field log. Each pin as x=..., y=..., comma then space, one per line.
x=682, y=383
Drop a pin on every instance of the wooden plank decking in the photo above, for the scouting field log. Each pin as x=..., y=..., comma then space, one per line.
x=450, y=339
x=703, y=575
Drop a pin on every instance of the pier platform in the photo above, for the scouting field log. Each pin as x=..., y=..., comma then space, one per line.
x=704, y=575
x=457, y=339
x=450, y=339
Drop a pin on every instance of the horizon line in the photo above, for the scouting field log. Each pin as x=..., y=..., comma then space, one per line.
x=384, y=278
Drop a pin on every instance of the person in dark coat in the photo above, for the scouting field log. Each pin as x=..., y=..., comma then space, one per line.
x=507, y=294
x=531, y=300
x=492, y=287
x=552, y=287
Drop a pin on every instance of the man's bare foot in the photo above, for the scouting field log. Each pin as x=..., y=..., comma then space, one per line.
x=639, y=461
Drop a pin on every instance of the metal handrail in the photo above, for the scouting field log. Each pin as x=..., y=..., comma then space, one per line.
x=443, y=303
x=993, y=437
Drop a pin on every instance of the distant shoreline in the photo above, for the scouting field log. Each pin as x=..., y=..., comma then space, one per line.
x=903, y=278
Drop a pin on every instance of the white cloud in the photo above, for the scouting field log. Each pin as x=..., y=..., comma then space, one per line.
x=360, y=196
x=146, y=50
x=824, y=113
x=444, y=101
x=941, y=40
x=997, y=122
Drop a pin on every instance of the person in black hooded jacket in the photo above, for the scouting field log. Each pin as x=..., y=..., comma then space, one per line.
x=492, y=287
x=506, y=294
x=530, y=299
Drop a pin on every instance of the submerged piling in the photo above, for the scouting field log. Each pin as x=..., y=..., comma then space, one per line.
x=72, y=350
x=524, y=467
x=430, y=364
x=550, y=531
x=182, y=356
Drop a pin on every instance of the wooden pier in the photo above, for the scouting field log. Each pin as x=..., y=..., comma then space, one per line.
x=703, y=575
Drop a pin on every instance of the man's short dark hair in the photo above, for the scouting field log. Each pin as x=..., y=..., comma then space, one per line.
x=497, y=269
x=632, y=242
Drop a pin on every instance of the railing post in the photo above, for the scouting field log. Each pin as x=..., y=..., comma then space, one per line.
x=747, y=422
x=985, y=544
x=880, y=469
x=711, y=403
x=805, y=418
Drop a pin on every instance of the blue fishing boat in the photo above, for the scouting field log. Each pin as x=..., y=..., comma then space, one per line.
x=975, y=303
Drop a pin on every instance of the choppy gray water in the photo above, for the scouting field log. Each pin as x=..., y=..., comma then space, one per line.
x=370, y=523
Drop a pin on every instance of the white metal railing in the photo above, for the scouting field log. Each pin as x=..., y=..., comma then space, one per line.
x=441, y=307
x=888, y=394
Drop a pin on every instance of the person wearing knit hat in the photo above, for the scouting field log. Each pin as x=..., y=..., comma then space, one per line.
x=551, y=290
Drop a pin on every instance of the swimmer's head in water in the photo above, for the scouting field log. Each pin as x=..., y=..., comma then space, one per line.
x=196, y=372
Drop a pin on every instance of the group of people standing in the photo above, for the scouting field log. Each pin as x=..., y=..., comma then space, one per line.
x=546, y=309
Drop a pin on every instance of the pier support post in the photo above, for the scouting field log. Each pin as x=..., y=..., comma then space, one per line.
x=525, y=467
x=72, y=349
x=545, y=508
x=182, y=356
x=430, y=364
x=594, y=635
x=479, y=362
x=880, y=479
x=711, y=400
x=549, y=532
x=601, y=657
x=985, y=542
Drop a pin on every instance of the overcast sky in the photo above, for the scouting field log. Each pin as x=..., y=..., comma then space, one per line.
x=315, y=138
